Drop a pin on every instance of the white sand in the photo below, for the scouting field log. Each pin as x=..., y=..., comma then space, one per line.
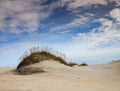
x=58, y=77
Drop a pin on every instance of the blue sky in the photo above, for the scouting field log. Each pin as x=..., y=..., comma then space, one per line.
x=84, y=30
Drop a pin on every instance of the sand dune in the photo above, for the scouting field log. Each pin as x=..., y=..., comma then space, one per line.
x=53, y=76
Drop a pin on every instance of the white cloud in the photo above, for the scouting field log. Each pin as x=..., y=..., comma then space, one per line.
x=115, y=13
x=117, y=2
x=105, y=22
x=17, y=14
x=107, y=33
x=104, y=40
x=78, y=3
x=82, y=19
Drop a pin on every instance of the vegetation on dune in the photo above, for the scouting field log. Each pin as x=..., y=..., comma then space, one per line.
x=72, y=64
x=38, y=56
x=83, y=64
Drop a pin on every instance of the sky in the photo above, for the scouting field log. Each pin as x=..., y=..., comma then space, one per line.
x=84, y=30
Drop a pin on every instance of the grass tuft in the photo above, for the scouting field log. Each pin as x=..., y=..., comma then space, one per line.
x=72, y=64
x=83, y=64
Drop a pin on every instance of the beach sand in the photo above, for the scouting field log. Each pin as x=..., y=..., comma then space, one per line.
x=58, y=77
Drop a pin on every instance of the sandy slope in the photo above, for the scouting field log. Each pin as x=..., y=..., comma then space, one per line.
x=58, y=77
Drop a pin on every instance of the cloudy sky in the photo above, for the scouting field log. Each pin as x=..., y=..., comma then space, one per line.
x=84, y=30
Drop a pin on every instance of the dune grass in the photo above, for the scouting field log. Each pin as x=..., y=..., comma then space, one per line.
x=83, y=64
x=72, y=64
x=36, y=57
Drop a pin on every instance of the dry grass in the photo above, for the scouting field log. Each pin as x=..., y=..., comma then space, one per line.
x=72, y=64
x=38, y=57
x=83, y=64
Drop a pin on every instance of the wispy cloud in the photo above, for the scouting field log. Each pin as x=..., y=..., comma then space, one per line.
x=109, y=29
x=115, y=14
x=78, y=3
x=75, y=23
x=85, y=12
x=18, y=17
x=102, y=40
